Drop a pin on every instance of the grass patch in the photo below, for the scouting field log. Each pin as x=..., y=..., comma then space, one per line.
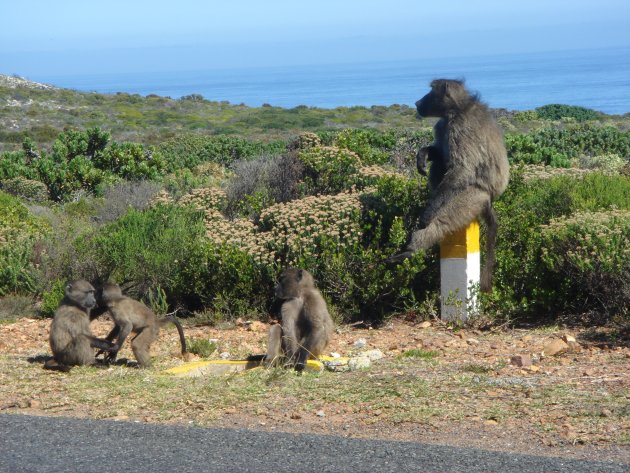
x=203, y=348
x=419, y=353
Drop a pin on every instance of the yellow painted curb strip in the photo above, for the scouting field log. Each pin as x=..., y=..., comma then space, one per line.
x=210, y=367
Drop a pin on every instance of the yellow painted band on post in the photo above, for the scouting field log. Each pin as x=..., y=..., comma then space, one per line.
x=461, y=243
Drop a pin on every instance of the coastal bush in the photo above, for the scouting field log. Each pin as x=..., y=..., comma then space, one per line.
x=559, y=112
x=589, y=252
x=328, y=169
x=188, y=151
x=524, y=283
x=28, y=189
x=19, y=233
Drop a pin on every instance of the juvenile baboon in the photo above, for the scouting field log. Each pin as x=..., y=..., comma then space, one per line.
x=130, y=315
x=71, y=340
x=306, y=326
x=469, y=169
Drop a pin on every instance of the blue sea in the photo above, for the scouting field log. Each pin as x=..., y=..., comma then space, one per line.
x=597, y=79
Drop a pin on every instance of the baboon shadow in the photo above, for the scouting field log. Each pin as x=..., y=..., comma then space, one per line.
x=41, y=359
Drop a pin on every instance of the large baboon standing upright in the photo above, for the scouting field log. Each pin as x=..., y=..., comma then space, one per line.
x=469, y=168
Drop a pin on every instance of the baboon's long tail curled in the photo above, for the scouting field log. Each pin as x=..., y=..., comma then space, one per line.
x=172, y=319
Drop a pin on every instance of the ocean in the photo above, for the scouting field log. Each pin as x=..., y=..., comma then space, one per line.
x=597, y=79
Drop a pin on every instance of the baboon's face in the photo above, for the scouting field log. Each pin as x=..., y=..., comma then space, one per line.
x=431, y=105
x=291, y=283
x=81, y=293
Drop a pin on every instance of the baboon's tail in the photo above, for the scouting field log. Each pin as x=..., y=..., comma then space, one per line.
x=172, y=319
x=490, y=218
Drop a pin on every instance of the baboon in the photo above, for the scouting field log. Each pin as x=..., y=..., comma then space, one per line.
x=306, y=326
x=469, y=169
x=130, y=315
x=71, y=340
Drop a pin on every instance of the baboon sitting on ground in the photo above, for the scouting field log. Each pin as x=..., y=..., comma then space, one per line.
x=71, y=340
x=129, y=316
x=306, y=326
x=469, y=169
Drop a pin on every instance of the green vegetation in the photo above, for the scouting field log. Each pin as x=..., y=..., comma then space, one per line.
x=201, y=204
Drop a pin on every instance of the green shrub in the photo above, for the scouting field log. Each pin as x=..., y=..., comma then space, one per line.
x=52, y=298
x=150, y=248
x=188, y=151
x=590, y=254
x=201, y=347
x=559, y=112
x=28, y=189
x=19, y=232
x=131, y=161
x=524, y=284
x=328, y=169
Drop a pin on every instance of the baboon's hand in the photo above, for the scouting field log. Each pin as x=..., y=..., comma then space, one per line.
x=421, y=160
x=399, y=258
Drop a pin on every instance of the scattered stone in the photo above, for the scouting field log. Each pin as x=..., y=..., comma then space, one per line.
x=461, y=335
x=295, y=416
x=373, y=355
x=491, y=422
x=533, y=368
x=569, y=338
x=360, y=343
x=337, y=365
x=494, y=346
x=359, y=363
x=472, y=341
x=521, y=360
x=606, y=413
x=34, y=404
x=257, y=327
x=555, y=347
x=334, y=354
x=225, y=355
x=320, y=414
x=425, y=324
x=527, y=338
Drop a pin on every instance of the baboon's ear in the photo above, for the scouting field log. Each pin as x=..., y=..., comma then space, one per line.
x=300, y=274
x=69, y=287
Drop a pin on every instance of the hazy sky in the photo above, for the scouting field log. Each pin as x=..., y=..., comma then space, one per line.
x=42, y=37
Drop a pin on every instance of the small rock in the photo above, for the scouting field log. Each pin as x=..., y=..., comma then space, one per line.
x=225, y=355
x=494, y=346
x=555, y=347
x=359, y=363
x=334, y=354
x=360, y=343
x=257, y=327
x=606, y=413
x=295, y=416
x=34, y=404
x=472, y=341
x=521, y=360
x=491, y=422
x=568, y=338
x=533, y=368
x=373, y=355
x=425, y=324
x=320, y=414
x=527, y=338
x=461, y=335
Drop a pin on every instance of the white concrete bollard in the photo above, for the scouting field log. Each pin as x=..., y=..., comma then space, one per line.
x=459, y=273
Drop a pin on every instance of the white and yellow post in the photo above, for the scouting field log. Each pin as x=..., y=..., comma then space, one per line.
x=459, y=273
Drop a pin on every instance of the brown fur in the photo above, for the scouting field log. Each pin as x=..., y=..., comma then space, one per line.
x=130, y=315
x=469, y=169
x=306, y=326
x=71, y=339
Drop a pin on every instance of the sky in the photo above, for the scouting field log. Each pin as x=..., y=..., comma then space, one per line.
x=64, y=37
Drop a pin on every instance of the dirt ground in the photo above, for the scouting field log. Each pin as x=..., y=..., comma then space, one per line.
x=457, y=387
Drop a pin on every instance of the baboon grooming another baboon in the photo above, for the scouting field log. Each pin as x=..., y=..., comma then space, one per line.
x=130, y=315
x=71, y=340
x=306, y=326
x=469, y=169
